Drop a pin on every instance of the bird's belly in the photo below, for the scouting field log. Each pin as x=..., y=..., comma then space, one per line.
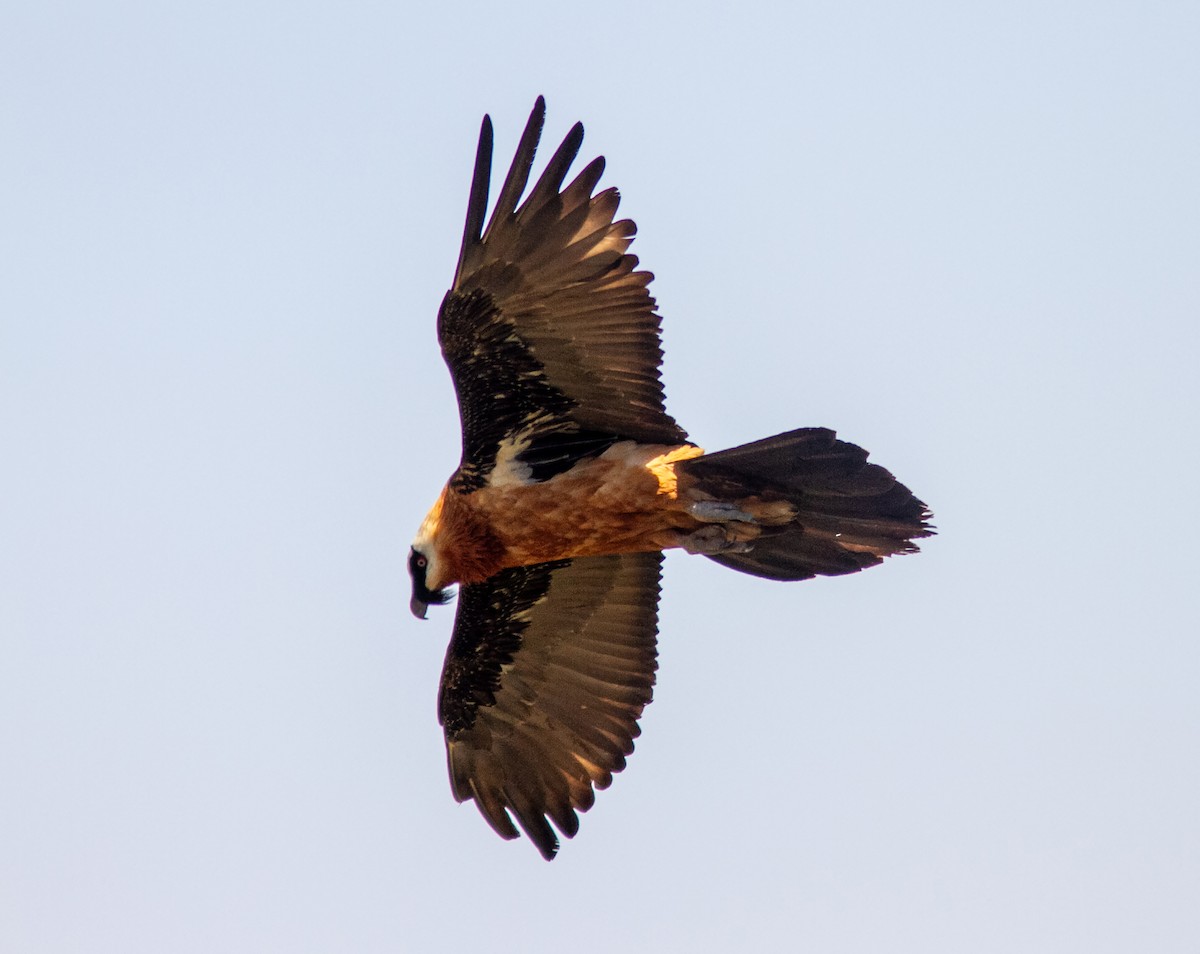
x=623, y=501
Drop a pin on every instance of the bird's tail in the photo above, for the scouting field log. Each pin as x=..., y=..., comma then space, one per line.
x=848, y=514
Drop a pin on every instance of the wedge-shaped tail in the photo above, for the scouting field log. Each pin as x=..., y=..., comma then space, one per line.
x=849, y=514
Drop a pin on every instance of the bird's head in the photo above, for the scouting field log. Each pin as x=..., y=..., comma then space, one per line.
x=428, y=571
x=426, y=585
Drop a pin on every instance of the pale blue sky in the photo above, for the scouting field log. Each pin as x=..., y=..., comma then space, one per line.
x=966, y=238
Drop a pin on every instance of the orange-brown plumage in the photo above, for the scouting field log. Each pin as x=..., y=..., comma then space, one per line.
x=626, y=500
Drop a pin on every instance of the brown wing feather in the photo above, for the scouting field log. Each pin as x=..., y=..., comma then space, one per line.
x=546, y=676
x=550, y=288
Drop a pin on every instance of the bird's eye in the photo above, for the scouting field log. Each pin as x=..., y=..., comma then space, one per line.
x=422, y=562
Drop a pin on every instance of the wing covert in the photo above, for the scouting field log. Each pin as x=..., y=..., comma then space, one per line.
x=549, y=327
x=547, y=673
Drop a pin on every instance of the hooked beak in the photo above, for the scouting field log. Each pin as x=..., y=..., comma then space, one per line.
x=418, y=607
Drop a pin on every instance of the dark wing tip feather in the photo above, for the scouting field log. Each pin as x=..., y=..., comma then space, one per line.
x=518, y=172
x=477, y=203
x=546, y=190
x=585, y=183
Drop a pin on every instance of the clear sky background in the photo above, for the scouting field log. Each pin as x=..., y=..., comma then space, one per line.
x=964, y=235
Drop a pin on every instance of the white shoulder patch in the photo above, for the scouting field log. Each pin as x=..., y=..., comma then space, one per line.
x=508, y=471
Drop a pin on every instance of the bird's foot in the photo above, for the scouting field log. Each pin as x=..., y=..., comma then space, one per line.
x=708, y=541
x=718, y=511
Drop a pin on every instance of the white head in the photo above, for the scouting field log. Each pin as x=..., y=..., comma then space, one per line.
x=424, y=568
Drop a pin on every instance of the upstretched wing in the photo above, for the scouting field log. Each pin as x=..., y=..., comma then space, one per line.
x=549, y=330
x=546, y=676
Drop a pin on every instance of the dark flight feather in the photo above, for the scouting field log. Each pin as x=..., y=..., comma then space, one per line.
x=518, y=172
x=477, y=201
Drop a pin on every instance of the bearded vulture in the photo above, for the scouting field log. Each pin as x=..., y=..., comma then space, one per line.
x=572, y=482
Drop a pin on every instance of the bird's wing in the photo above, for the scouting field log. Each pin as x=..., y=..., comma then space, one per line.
x=546, y=676
x=549, y=331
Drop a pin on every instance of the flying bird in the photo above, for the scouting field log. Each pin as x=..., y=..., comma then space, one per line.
x=574, y=479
